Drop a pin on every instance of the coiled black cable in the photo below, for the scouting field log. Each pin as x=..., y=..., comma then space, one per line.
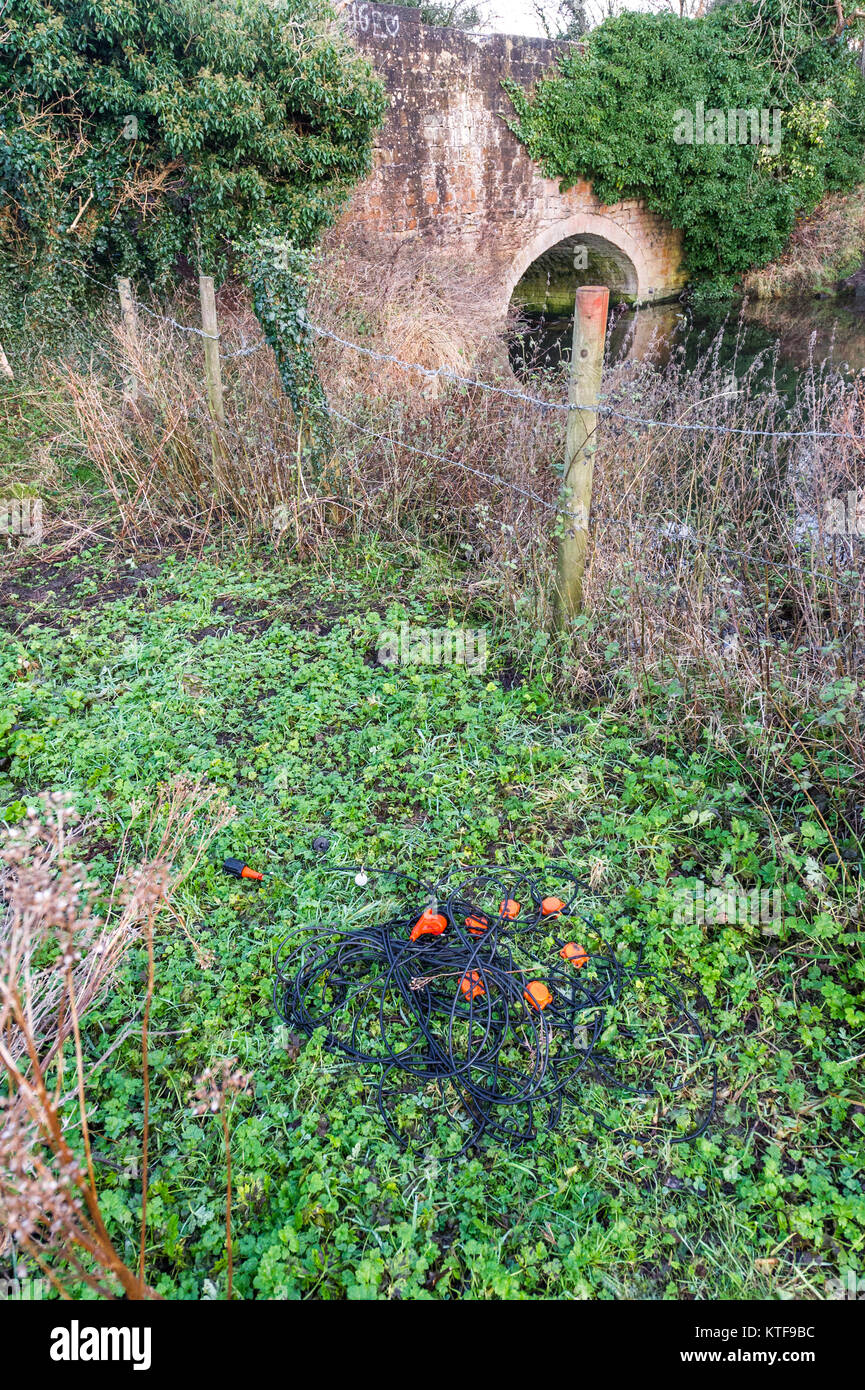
x=471, y=1014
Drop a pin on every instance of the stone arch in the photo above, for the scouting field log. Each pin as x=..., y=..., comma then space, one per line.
x=598, y=231
x=454, y=185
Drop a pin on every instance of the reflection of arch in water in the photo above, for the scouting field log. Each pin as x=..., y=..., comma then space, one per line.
x=839, y=329
x=645, y=334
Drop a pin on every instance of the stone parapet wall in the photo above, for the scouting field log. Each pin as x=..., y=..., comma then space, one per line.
x=453, y=182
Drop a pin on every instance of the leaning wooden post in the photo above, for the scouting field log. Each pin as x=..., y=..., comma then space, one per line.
x=129, y=314
x=127, y=303
x=587, y=360
x=212, y=369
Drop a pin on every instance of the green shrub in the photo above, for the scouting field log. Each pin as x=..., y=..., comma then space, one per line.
x=136, y=133
x=612, y=115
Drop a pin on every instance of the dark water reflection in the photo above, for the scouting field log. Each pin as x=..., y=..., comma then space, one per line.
x=782, y=336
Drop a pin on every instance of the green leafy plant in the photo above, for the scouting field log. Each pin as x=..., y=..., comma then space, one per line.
x=134, y=136
x=416, y=767
x=613, y=115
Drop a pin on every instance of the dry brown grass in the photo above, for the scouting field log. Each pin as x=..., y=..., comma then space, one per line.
x=137, y=411
x=711, y=566
x=441, y=319
x=62, y=940
x=824, y=248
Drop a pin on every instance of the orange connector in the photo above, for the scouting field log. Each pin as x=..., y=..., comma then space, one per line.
x=241, y=870
x=471, y=986
x=537, y=994
x=577, y=954
x=477, y=925
x=510, y=909
x=428, y=924
x=551, y=905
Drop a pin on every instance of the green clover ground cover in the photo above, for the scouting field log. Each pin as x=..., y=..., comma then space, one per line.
x=117, y=675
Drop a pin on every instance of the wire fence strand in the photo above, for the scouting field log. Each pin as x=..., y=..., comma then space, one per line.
x=527, y=399
x=691, y=538
x=598, y=408
x=443, y=373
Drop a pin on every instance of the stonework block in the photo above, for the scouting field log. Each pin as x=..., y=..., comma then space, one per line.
x=449, y=172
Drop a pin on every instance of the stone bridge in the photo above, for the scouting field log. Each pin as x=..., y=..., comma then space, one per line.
x=451, y=181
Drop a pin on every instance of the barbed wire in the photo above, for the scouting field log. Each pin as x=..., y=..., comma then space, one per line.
x=597, y=409
x=646, y=422
x=527, y=399
x=443, y=372
x=441, y=458
x=173, y=323
x=139, y=303
x=690, y=536
x=246, y=351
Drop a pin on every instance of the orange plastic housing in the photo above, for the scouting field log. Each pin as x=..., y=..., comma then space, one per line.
x=537, y=994
x=578, y=955
x=247, y=872
x=551, y=905
x=510, y=909
x=476, y=925
x=471, y=986
x=428, y=924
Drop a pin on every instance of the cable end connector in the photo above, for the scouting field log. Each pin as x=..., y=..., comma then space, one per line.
x=429, y=924
x=238, y=869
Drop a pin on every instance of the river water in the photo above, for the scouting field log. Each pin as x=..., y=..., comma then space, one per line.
x=797, y=332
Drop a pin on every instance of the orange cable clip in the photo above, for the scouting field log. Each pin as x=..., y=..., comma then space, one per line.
x=471, y=986
x=537, y=994
x=551, y=905
x=578, y=955
x=428, y=924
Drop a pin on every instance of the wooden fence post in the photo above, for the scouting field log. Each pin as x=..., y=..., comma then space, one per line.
x=587, y=361
x=130, y=323
x=212, y=368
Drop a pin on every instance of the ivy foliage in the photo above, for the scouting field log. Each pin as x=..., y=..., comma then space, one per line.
x=137, y=133
x=613, y=114
x=279, y=274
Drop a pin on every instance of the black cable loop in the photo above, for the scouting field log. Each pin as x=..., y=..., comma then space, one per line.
x=481, y=1018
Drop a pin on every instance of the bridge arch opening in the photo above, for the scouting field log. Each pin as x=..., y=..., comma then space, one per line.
x=587, y=249
x=548, y=284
